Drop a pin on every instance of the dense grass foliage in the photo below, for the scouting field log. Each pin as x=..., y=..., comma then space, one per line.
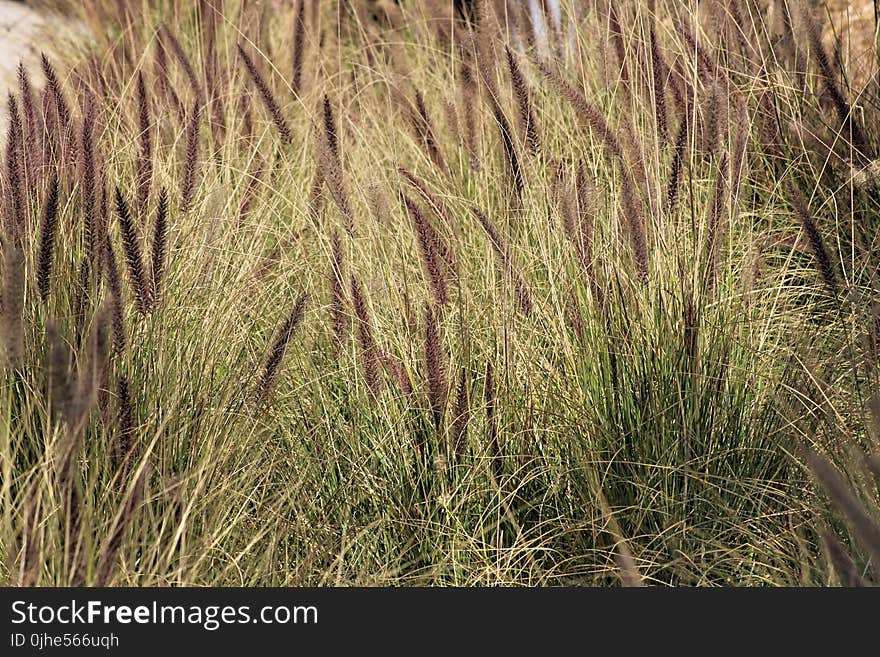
x=440, y=293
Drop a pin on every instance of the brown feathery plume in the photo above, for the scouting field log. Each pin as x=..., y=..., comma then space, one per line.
x=424, y=130
x=502, y=251
x=716, y=218
x=144, y=167
x=366, y=341
x=330, y=132
x=48, y=233
x=446, y=250
x=428, y=241
x=126, y=444
x=267, y=96
x=32, y=127
x=110, y=553
x=188, y=184
x=841, y=106
x=279, y=346
x=57, y=94
x=183, y=60
x=497, y=460
x=399, y=375
x=440, y=210
x=450, y=120
x=15, y=222
x=115, y=285
x=93, y=235
x=847, y=504
x=61, y=129
x=847, y=572
x=462, y=419
x=133, y=256
x=691, y=323
x=715, y=119
x=330, y=172
x=338, y=314
x=574, y=314
x=817, y=242
x=299, y=33
x=659, y=91
x=330, y=169
x=160, y=239
x=678, y=155
x=561, y=195
x=469, y=114
x=160, y=68
x=509, y=147
x=438, y=390
x=527, y=119
x=12, y=314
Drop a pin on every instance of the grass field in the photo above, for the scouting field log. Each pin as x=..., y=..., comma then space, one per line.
x=408, y=294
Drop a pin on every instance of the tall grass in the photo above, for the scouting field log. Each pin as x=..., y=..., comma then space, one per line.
x=594, y=311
